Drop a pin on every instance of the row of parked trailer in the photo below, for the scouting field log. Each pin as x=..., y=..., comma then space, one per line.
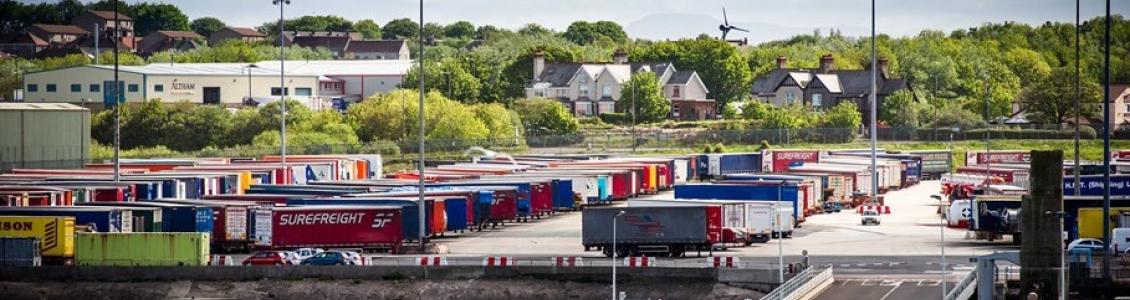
x=986, y=194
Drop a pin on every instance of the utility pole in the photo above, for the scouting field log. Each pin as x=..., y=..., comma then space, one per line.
x=420, y=60
x=1106, y=148
x=1078, y=95
x=282, y=83
x=874, y=77
x=117, y=96
x=633, y=86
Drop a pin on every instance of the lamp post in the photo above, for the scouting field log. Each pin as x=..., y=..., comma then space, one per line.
x=282, y=81
x=117, y=95
x=249, y=80
x=618, y=214
x=874, y=106
x=420, y=182
x=780, y=236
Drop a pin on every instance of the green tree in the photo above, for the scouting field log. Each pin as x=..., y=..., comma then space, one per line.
x=488, y=31
x=393, y=116
x=308, y=23
x=433, y=30
x=206, y=26
x=11, y=75
x=953, y=115
x=501, y=123
x=1052, y=100
x=900, y=109
x=546, y=117
x=368, y=28
x=460, y=30
x=145, y=125
x=197, y=127
x=645, y=94
x=148, y=18
x=724, y=71
x=1028, y=65
x=534, y=29
x=843, y=115
x=402, y=28
x=446, y=76
x=583, y=33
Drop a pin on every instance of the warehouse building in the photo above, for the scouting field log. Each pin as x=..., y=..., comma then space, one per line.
x=43, y=135
x=318, y=84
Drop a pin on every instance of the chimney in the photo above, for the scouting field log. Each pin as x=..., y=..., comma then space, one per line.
x=883, y=66
x=620, y=57
x=827, y=63
x=782, y=62
x=539, y=62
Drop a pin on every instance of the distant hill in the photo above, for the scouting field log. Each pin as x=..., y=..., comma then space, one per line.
x=663, y=26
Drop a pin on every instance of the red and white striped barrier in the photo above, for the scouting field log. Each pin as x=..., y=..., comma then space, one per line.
x=883, y=209
x=498, y=261
x=431, y=261
x=639, y=262
x=562, y=261
x=722, y=262
x=221, y=260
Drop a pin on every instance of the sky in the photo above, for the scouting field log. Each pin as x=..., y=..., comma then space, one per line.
x=673, y=19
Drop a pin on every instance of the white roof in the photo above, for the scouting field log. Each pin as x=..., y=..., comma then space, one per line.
x=343, y=67
x=831, y=81
x=203, y=69
x=38, y=106
x=802, y=78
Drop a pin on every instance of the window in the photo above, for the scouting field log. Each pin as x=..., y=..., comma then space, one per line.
x=539, y=93
x=817, y=100
x=76, y=88
x=275, y=91
x=51, y=88
x=95, y=88
x=132, y=88
x=33, y=88
x=605, y=91
x=159, y=88
x=675, y=108
x=303, y=92
x=790, y=97
x=584, y=91
x=675, y=93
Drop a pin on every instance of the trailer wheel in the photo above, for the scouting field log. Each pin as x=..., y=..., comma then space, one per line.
x=676, y=250
x=623, y=251
x=607, y=251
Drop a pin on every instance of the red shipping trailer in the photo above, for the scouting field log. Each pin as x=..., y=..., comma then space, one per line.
x=329, y=226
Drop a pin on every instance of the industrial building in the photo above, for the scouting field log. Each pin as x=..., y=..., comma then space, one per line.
x=43, y=135
x=318, y=84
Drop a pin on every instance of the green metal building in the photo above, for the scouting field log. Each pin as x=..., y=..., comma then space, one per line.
x=43, y=135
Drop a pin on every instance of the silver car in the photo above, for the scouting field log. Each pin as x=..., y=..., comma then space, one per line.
x=305, y=253
x=292, y=257
x=353, y=256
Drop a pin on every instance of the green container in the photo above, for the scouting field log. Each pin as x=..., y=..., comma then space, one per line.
x=142, y=249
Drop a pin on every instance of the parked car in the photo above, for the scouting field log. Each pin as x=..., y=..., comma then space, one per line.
x=870, y=216
x=1095, y=245
x=1120, y=240
x=328, y=258
x=353, y=256
x=292, y=257
x=833, y=207
x=304, y=253
x=267, y=258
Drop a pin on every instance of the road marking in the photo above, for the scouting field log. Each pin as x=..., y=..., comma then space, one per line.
x=866, y=282
x=888, y=282
x=888, y=294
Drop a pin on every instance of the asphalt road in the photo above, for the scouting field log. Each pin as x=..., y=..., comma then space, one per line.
x=884, y=289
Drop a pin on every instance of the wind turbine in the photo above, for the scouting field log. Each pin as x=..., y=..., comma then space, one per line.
x=726, y=27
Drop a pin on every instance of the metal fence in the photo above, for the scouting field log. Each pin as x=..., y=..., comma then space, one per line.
x=801, y=284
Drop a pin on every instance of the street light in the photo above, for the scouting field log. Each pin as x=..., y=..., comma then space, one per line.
x=248, y=67
x=282, y=80
x=618, y=214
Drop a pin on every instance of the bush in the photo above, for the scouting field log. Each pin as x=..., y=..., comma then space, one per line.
x=616, y=118
x=764, y=146
x=719, y=148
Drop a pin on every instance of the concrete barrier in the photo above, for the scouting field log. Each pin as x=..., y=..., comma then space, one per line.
x=498, y=261
x=221, y=260
x=721, y=262
x=431, y=261
x=563, y=261
x=639, y=262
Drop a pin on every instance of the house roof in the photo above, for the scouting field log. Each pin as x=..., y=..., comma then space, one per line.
x=1117, y=90
x=681, y=77
x=109, y=15
x=830, y=82
x=247, y=31
x=558, y=74
x=343, y=67
x=801, y=78
x=851, y=83
x=203, y=69
x=22, y=38
x=767, y=84
x=350, y=34
x=335, y=43
x=179, y=34
x=60, y=29
x=891, y=86
x=9, y=106
x=178, y=45
x=382, y=46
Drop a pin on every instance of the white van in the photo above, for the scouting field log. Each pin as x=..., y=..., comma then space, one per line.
x=1120, y=239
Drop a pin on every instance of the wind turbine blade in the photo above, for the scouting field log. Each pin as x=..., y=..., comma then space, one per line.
x=725, y=20
x=738, y=29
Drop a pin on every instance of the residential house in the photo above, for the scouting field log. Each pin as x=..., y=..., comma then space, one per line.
x=826, y=86
x=335, y=44
x=106, y=28
x=246, y=34
x=291, y=35
x=22, y=44
x=590, y=89
x=377, y=49
x=160, y=41
x=1119, y=106
x=56, y=34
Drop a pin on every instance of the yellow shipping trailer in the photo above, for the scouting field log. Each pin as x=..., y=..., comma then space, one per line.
x=56, y=234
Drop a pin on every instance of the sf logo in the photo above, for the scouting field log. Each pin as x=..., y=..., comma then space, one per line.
x=379, y=220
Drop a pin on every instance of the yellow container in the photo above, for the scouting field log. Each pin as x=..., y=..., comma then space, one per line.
x=1090, y=220
x=56, y=234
